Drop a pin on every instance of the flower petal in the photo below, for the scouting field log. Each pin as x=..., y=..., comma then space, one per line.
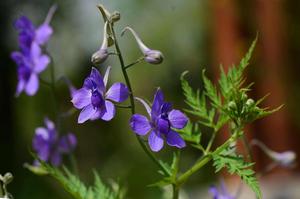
x=23, y=23
x=97, y=78
x=43, y=34
x=32, y=85
x=174, y=139
x=147, y=107
x=156, y=141
x=41, y=63
x=105, y=79
x=110, y=111
x=20, y=87
x=40, y=143
x=140, y=124
x=177, y=119
x=157, y=103
x=86, y=113
x=81, y=98
x=67, y=143
x=118, y=92
x=163, y=126
x=17, y=57
x=49, y=124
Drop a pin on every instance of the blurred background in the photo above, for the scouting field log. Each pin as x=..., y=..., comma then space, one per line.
x=193, y=35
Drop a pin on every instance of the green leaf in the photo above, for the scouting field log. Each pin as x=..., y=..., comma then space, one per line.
x=73, y=185
x=236, y=165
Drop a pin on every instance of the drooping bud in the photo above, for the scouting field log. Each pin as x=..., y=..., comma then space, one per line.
x=250, y=102
x=151, y=56
x=284, y=159
x=115, y=16
x=101, y=55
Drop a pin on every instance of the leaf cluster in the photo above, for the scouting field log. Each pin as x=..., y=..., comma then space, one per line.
x=73, y=185
x=235, y=164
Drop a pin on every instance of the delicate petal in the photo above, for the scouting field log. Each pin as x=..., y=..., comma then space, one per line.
x=49, y=124
x=147, y=107
x=155, y=140
x=177, y=119
x=43, y=34
x=174, y=139
x=20, y=87
x=40, y=143
x=157, y=103
x=97, y=78
x=17, y=57
x=140, y=124
x=105, y=79
x=81, y=98
x=110, y=111
x=55, y=158
x=35, y=51
x=163, y=126
x=41, y=63
x=166, y=107
x=32, y=85
x=86, y=113
x=23, y=23
x=67, y=143
x=88, y=83
x=118, y=92
x=99, y=113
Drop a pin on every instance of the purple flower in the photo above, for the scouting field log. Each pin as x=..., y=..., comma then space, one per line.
x=220, y=194
x=29, y=59
x=161, y=123
x=95, y=101
x=49, y=146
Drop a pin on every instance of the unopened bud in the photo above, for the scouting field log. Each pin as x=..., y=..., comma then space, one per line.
x=285, y=159
x=101, y=55
x=250, y=102
x=7, y=178
x=115, y=16
x=232, y=105
x=151, y=56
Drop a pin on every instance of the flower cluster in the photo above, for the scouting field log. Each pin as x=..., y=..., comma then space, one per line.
x=30, y=59
x=49, y=146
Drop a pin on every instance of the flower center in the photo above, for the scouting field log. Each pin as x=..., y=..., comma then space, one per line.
x=97, y=99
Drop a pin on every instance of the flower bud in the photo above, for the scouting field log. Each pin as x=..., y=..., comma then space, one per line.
x=115, y=16
x=250, y=102
x=232, y=105
x=7, y=178
x=101, y=55
x=285, y=159
x=151, y=56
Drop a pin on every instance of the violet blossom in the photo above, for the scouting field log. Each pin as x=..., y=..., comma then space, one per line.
x=163, y=119
x=95, y=101
x=49, y=146
x=30, y=60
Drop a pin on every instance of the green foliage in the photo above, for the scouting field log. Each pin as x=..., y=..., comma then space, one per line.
x=73, y=185
x=236, y=165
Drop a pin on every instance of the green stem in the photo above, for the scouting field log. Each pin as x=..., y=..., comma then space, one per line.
x=131, y=97
x=212, y=138
x=205, y=159
x=136, y=62
x=175, y=191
